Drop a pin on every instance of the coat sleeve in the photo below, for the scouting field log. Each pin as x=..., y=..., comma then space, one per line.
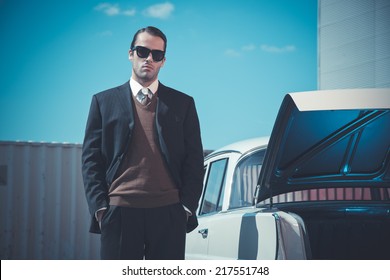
x=93, y=164
x=192, y=168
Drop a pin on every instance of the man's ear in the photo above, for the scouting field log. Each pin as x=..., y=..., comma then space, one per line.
x=131, y=55
x=163, y=62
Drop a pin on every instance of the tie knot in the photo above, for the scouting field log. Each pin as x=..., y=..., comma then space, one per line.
x=144, y=96
x=145, y=91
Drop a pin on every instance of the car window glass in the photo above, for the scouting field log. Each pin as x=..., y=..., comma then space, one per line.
x=212, y=200
x=245, y=180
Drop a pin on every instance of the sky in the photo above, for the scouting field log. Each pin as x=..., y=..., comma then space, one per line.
x=237, y=59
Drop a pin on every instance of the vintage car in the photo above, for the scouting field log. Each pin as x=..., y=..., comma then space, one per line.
x=318, y=188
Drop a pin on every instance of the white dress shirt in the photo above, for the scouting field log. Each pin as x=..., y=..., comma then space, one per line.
x=136, y=87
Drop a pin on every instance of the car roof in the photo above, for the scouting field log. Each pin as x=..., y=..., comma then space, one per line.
x=242, y=146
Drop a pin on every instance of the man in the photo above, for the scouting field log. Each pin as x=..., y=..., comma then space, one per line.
x=142, y=160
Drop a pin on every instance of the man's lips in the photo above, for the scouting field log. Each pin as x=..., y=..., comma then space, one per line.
x=147, y=67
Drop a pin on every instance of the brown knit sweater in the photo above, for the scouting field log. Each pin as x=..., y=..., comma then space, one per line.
x=144, y=181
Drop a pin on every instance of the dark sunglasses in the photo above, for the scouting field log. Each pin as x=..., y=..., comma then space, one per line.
x=143, y=52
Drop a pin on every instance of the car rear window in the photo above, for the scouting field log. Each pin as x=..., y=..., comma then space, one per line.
x=245, y=180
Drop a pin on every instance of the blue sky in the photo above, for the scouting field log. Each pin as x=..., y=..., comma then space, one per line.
x=236, y=58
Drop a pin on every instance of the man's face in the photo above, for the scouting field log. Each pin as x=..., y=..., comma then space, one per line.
x=145, y=70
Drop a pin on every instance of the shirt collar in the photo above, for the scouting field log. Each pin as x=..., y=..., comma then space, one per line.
x=136, y=87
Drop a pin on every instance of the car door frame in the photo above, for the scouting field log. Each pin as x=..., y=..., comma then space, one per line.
x=200, y=236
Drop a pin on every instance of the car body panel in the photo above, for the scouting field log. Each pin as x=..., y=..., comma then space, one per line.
x=255, y=234
x=291, y=235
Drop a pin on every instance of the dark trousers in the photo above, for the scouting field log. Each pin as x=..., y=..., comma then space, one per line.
x=144, y=233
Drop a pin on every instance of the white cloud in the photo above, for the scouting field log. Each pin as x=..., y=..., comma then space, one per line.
x=238, y=53
x=108, y=9
x=248, y=48
x=114, y=10
x=274, y=49
x=232, y=53
x=129, y=13
x=161, y=11
x=266, y=48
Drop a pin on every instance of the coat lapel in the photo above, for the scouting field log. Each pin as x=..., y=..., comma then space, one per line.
x=126, y=102
x=161, y=113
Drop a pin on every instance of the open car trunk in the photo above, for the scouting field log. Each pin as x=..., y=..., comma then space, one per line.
x=328, y=160
x=340, y=231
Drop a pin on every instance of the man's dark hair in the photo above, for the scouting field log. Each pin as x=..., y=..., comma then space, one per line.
x=154, y=31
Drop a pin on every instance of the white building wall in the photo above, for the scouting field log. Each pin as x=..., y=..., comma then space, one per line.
x=353, y=44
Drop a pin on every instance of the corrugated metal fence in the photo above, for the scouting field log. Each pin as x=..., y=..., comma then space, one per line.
x=44, y=213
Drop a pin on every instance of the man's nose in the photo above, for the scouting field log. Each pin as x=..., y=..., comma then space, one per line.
x=150, y=57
